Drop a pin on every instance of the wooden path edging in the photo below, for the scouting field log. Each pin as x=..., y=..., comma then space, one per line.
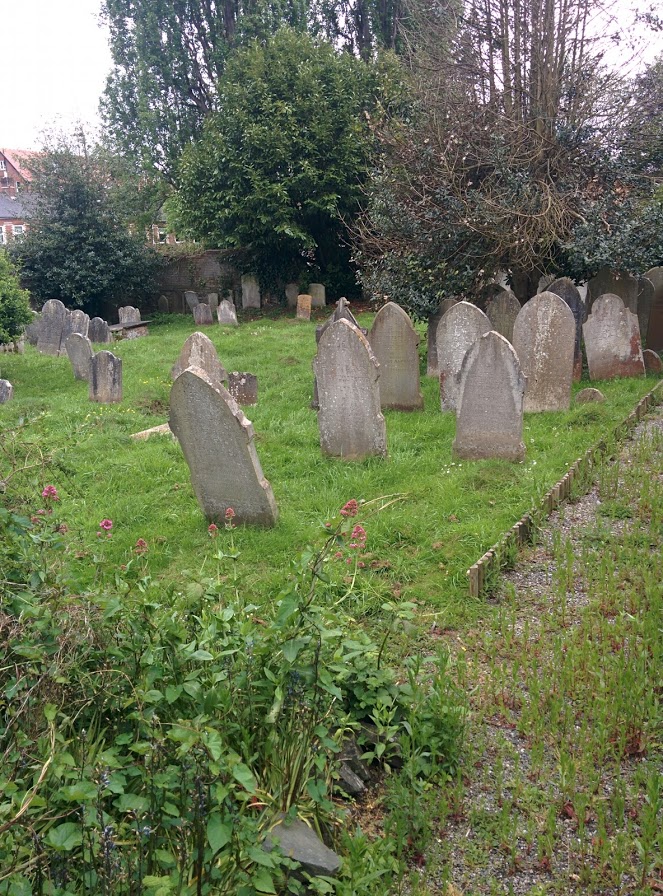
x=490, y=564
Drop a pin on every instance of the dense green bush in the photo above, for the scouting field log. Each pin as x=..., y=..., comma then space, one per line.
x=14, y=305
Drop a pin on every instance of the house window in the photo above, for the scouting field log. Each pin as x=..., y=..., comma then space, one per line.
x=18, y=231
x=2, y=236
x=162, y=235
x=3, y=165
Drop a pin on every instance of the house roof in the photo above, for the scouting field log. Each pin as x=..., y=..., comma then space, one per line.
x=13, y=207
x=20, y=159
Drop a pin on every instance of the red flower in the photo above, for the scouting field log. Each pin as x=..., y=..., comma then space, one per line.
x=106, y=524
x=350, y=509
x=358, y=536
x=212, y=529
x=230, y=514
x=50, y=492
x=141, y=546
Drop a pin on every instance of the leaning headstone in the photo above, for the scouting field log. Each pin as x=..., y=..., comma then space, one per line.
x=79, y=350
x=199, y=351
x=191, y=298
x=212, y=299
x=6, y=391
x=32, y=330
x=395, y=342
x=645, y=304
x=53, y=318
x=566, y=289
x=202, y=315
x=105, y=378
x=585, y=396
x=347, y=373
x=291, y=293
x=457, y=331
x=340, y=312
x=217, y=441
x=616, y=283
x=431, y=336
x=226, y=313
x=250, y=291
x=653, y=363
x=99, y=332
x=163, y=305
x=130, y=315
x=544, y=283
x=502, y=312
x=544, y=338
x=303, y=307
x=655, y=328
x=489, y=415
x=243, y=387
x=612, y=340
x=318, y=295
x=76, y=321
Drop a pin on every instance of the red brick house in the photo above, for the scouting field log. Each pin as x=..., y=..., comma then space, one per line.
x=15, y=180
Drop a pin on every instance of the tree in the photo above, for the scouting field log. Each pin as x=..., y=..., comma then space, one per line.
x=15, y=312
x=512, y=145
x=168, y=56
x=279, y=168
x=78, y=248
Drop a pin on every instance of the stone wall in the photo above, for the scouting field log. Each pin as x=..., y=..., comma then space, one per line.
x=202, y=273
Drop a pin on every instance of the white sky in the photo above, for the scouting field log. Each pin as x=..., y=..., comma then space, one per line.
x=56, y=65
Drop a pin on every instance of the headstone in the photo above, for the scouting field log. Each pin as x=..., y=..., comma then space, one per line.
x=318, y=295
x=163, y=305
x=99, y=332
x=217, y=441
x=79, y=350
x=191, y=298
x=347, y=373
x=544, y=283
x=395, y=342
x=15, y=347
x=616, y=283
x=291, y=293
x=226, y=313
x=212, y=299
x=587, y=395
x=544, y=339
x=303, y=307
x=6, y=391
x=653, y=363
x=645, y=304
x=105, y=378
x=32, y=330
x=250, y=291
x=502, y=312
x=53, y=317
x=199, y=351
x=612, y=340
x=655, y=328
x=340, y=312
x=130, y=315
x=457, y=331
x=76, y=321
x=489, y=416
x=202, y=315
x=566, y=289
x=243, y=387
x=431, y=336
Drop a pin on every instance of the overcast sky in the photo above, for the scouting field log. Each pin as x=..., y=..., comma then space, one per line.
x=56, y=66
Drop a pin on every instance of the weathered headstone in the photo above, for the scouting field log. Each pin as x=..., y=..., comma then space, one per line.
x=502, y=312
x=616, y=283
x=32, y=330
x=653, y=363
x=105, y=378
x=347, y=373
x=566, y=289
x=340, y=312
x=544, y=338
x=612, y=340
x=79, y=350
x=51, y=327
x=163, y=305
x=395, y=342
x=303, y=307
x=6, y=391
x=202, y=315
x=489, y=416
x=217, y=441
x=318, y=295
x=130, y=315
x=291, y=293
x=199, y=351
x=76, y=321
x=243, y=387
x=212, y=299
x=655, y=328
x=544, y=283
x=191, y=298
x=431, y=336
x=585, y=396
x=99, y=332
x=250, y=291
x=645, y=304
x=457, y=331
x=226, y=313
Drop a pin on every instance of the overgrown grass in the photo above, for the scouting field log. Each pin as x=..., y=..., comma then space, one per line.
x=447, y=514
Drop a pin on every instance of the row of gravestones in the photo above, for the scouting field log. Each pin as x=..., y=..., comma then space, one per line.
x=203, y=310
x=251, y=299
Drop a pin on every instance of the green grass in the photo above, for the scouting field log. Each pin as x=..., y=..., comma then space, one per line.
x=447, y=514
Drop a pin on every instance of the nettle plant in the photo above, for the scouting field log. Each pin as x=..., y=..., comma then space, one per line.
x=150, y=737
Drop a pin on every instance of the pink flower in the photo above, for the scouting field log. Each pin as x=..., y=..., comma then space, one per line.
x=350, y=509
x=358, y=536
x=51, y=493
x=230, y=514
x=106, y=524
x=338, y=555
x=212, y=529
x=141, y=546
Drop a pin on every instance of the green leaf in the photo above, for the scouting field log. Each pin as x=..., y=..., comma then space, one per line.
x=214, y=743
x=50, y=711
x=65, y=837
x=292, y=647
x=263, y=881
x=244, y=776
x=218, y=833
x=173, y=692
x=287, y=609
x=79, y=792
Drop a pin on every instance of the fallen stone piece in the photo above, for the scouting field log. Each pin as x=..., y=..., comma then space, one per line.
x=589, y=394
x=299, y=842
x=6, y=391
x=162, y=430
